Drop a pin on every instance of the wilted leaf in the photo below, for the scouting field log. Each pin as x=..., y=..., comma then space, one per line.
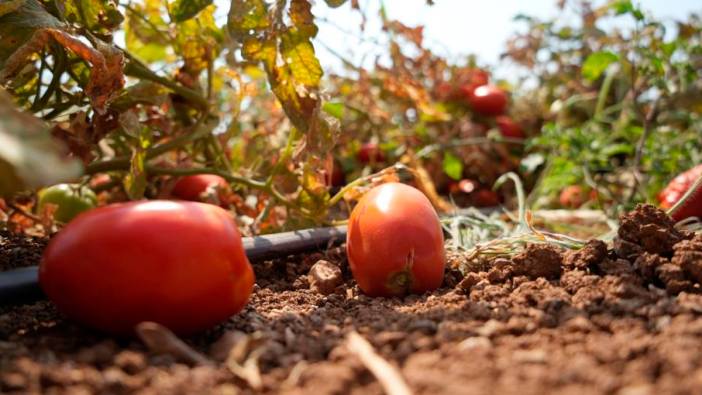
x=106, y=74
x=453, y=167
x=183, y=10
x=18, y=27
x=29, y=157
x=597, y=63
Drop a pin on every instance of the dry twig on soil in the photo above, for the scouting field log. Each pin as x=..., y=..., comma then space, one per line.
x=389, y=377
x=160, y=339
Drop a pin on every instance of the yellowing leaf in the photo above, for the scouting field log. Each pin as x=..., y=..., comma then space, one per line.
x=247, y=18
x=298, y=53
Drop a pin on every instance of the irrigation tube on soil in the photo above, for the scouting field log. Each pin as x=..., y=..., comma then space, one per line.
x=21, y=285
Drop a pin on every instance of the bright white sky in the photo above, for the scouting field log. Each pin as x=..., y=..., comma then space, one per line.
x=453, y=28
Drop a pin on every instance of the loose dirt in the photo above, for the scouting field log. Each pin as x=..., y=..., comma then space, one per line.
x=626, y=321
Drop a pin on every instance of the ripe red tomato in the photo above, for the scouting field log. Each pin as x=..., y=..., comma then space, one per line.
x=486, y=198
x=676, y=189
x=395, y=244
x=193, y=187
x=463, y=186
x=444, y=91
x=572, y=196
x=370, y=152
x=338, y=178
x=509, y=128
x=488, y=100
x=181, y=264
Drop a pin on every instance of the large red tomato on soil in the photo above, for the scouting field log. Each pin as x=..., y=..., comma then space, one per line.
x=509, y=128
x=181, y=264
x=676, y=190
x=395, y=244
x=370, y=152
x=488, y=100
x=192, y=187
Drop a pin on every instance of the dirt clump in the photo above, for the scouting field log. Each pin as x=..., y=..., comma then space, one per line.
x=17, y=250
x=539, y=260
x=324, y=277
x=649, y=228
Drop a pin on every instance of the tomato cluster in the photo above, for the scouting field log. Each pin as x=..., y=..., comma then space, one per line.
x=489, y=102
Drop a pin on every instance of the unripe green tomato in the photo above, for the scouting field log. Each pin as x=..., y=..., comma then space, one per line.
x=70, y=199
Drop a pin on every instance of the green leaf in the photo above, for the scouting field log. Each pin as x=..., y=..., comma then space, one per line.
x=622, y=7
x=29, y=157
x=335, y=3
x=453, y=167
x=597, y=63
x=182, y=10
x=335, y=109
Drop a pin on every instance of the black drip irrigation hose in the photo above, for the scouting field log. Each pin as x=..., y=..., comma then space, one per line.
x=22, y=285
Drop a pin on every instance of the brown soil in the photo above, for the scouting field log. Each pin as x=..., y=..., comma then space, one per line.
x=625, y=321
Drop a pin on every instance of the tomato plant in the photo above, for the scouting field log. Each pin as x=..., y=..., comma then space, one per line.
x=488, y=100
x=69, y=199
x=395, y=244
x=181, y=264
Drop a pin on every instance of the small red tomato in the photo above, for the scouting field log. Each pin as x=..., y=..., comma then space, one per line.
x=338, y=178
x=444, y=91
x=509, y=128
x=370, y=152
x=676, y=189
x=486, y=198
x=488, y=100
x=180, y=264
x=572, y=196
x=463, y=186
x=395, y=244
x=193, y=187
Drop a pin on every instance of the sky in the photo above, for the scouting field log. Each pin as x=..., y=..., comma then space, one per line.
x=453, y=28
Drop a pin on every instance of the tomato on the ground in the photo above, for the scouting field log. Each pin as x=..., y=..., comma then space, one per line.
x=395, y=244
x=180, y=264
x=193, y=187
x=509, y=128
x=676, y=189
x=488, y=100
x=70, y=200
x=370, y=152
